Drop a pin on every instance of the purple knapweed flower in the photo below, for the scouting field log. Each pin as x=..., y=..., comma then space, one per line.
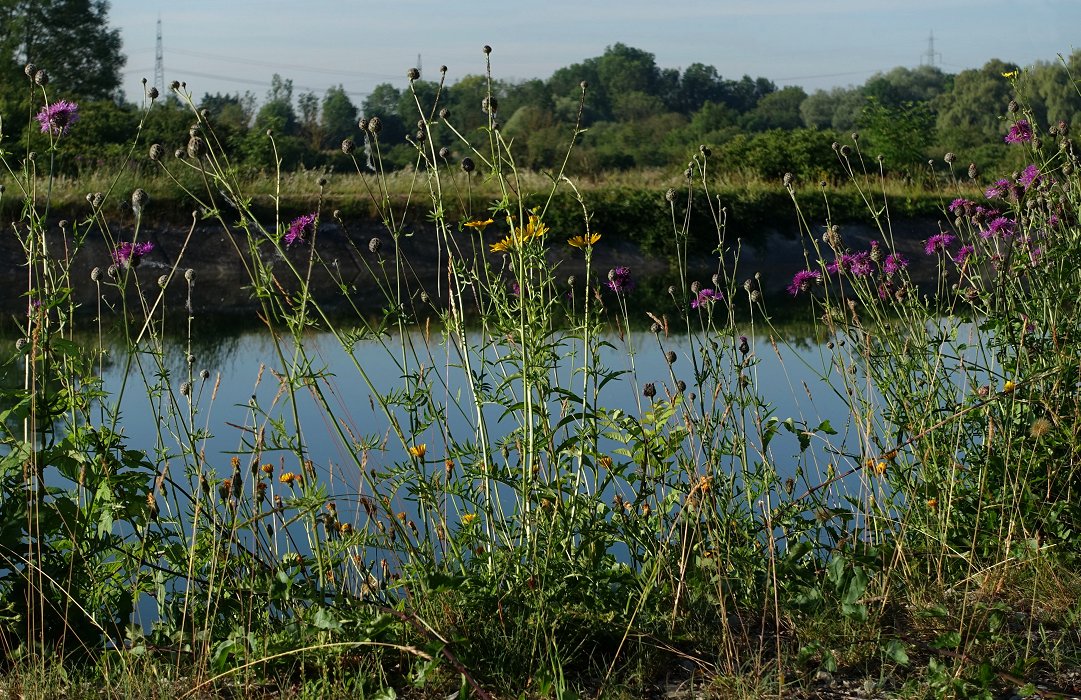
x=299, y=228
x=58, y=117
x=1002, y=226
x=802, y=281
x=960, y=203
x=129, y=254
x=1029, y=176
x=855, y=264
x=1020, y=132
x=619, y=280
x=998, y=190
x=706, y=296
x=894, y=262
x=963, y=253
x=938, y=243
x=515, y=289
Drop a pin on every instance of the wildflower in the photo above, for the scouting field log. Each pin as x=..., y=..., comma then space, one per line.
x=1029, y=176
x=605, y=461
x=879, y=468
x=515, y=289
x=1008, y=387
x=895, y=262
x=855, y=264
x=533, y=230
x=58, y=117
x=1039, y=428
x=1020, y=132
x=1010, y=75
x=706, y=296
x=267, y=468
x=468, y=518
x=1001, y=226
x=288, y=478
x=963, y=253
x=619, y=280
x=802, y=281
x=960, y=203
x=932, y=503
x=584, y=241
x=418, y=451
x=1000, y=189
x=129, y=254
x=938, y=243
x=503, y=246
x=299, y=228
x=478, y=225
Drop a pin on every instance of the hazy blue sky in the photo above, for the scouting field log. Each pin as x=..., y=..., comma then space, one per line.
x=236, y=45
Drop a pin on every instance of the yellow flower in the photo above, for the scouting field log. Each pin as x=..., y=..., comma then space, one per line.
x=288, y=478
x=584, y=241
x=534, y=229
x=1008, y=387
x=479, y=225
x=1009, y=75
x=468, y=518
x=267, y=468
x=932, y=503
x=503, y=246
x=418, y=450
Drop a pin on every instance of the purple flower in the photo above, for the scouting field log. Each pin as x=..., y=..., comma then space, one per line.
x=298, y=230
x=1002, y=226
x=515, y=289
x=959, y=203
x=619, y=280
x=855, y=264
x=963, y=253
x=1020, y=132
x=129, y=254
x=706, y=296
x=1029, y=176
x=802, y=281
x=938, y=243
x=895, y=262
x=58, y=117
x=999, y=189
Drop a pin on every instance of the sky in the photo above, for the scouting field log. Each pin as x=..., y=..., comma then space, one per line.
x=232, y=46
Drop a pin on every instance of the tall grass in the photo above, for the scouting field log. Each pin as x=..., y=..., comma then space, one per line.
x=509, y=529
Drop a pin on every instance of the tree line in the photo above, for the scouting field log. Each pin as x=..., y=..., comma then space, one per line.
x=635, y=113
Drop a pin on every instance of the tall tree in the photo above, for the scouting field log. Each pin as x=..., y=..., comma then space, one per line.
x=70, y=39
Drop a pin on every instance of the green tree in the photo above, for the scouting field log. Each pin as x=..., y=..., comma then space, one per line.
x=902, y=134
x=70, y=39
x=839, y=108
x=970, y=115
x=277, y=112
x=339, y=117
x=777, y=110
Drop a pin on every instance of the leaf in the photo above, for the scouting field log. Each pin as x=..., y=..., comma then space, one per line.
x=895, y=652
x=857, y=585
x=947, y=640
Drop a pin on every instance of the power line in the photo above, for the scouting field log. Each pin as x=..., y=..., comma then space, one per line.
x=159, y=63
x=284, y=66
x=246, y=81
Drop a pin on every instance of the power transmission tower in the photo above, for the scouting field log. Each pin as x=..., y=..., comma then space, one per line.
x=419, y=69
x=159, y=64
x=931, y=56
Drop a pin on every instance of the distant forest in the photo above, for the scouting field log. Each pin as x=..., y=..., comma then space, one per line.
x=636, y=115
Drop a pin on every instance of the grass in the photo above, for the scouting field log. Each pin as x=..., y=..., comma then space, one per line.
x=508, y=530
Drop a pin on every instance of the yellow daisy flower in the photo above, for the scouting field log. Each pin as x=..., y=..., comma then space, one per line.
x=503, y=246
x=468, y=518
x=534, y=229
x=584, y=241
x=479, y=226
x=418, y=450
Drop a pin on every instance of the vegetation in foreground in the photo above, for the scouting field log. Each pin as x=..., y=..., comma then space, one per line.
x=507, y=531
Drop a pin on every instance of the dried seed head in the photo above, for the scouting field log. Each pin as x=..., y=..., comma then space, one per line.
x=744, y=345
x=671, y=290
x=41, y=78
x=189, y=275
x=671, y=357
x=375, y=125
x=152, y=93
x=375, y=244
x=489, y=105
x=467, y=165
x=443, y=69
x=716, y=279
x=163, y=280
x=362, y=124
x=30, y=69
x=348, y=146
x=950, y=157
x=444, y=113
x=175, y=85
x=421, y=135
x=1012, y=107
x=846, y=151
x=705, y=150
x=788, y=179
x=185, y=389
x=204, y=374
x=655, y=328
x=681, y=386
x=649, y=390
x=196, y=147
x=424, y=298
x=95, y=274
x=157, y=151
x=855, y=136
x=973, y=171
x=139, y=198
x=695, y=286
x=487, y=49
x=570, y=280
x=412, y=74
x=444, y=153
x=670, y=195
x=178, y=153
